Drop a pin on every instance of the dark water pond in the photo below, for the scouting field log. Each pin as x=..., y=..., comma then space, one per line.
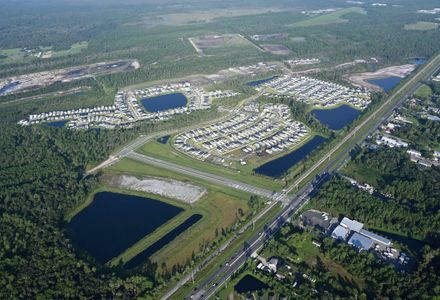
x=7, y=87
x=144, y=255
x=57, y=123
x=114, y=222
x=336, y=118
x=249, y=284
x=277, y=167
x=164, y=102
x=418, y=61
x=259, y=82
x=387, y=83
x=163, y=139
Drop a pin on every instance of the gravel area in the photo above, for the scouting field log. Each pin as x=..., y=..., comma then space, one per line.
x=173, y=189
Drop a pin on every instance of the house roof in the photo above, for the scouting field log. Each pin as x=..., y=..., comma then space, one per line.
x=340, y=232
x=361, y=241
x=352, y=224
x=375, y=237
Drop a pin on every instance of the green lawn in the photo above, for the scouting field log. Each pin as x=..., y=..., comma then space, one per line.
x=329, y=18
x=423, y=92
x=242, y=173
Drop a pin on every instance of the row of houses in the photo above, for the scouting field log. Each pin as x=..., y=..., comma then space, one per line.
x=316, y=92
x=268, y=128
x=127, y=109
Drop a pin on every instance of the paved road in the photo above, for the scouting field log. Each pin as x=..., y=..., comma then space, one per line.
x=210, y=285
x=222, y=181
x=142, y=139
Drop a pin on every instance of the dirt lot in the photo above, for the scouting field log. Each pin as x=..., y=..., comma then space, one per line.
x=168, y=188
x=218, y=41
x=35, y=81
x=361, y=79
x=276, y=49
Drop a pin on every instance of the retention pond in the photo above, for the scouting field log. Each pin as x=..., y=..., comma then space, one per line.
x=114, y=222
x=279, y=166
x=336, y=118
x=164, y=102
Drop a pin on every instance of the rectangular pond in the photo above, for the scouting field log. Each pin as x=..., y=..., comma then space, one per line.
x=260, y=82
x=114, y=222
x=170, y=236
x=164, y=102
x=387, y=83
x=279, y=166
x=336, y=118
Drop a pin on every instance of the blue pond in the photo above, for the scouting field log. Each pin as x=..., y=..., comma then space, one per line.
x=249, y=284
x=164, y=139
x=9, y=86
x=387, y=83
x=114, y=222
x=259, y=82
x=336, y=118
x=144, y=255
x=164, y=102
x=57, y=124
x=277, y=167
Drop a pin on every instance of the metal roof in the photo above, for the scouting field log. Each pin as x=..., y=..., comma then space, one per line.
x=340, y=232
x=352, y=224
x=361, y=241
x=376, y=237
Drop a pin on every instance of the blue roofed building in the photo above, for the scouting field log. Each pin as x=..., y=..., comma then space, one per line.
x=361, y=241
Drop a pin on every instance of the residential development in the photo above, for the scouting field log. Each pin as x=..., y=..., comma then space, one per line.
x=127, y=109
x=316, y=92
x=254, y=129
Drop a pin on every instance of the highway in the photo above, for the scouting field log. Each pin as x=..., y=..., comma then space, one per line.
x=229, y=183
x=209, y=286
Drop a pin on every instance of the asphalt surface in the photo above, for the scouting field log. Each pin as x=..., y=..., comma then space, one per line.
x=229, y=183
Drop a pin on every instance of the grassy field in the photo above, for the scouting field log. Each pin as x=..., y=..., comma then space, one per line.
x=422, y=26
x=244, y=173
x=423, y=92
x=16, y=55
x=329, y=18
x=219, y=209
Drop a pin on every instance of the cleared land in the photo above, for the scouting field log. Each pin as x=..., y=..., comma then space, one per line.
x=20, y=55
x=271, y=36
x=276, y=49
x=188, y=193
x=422, y=26
x=361, y=79
x=199, y=16
x=203, y=44
x=330, y=18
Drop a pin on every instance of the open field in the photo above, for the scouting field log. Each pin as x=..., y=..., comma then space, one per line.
x=422, y=26
x=16, y=55
x=242, y=173
x=269, y=37
x=329, y=18
x=200, y=16
x=203, y=44
x=276, y=49
x=219, y=208
x=423, y=92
